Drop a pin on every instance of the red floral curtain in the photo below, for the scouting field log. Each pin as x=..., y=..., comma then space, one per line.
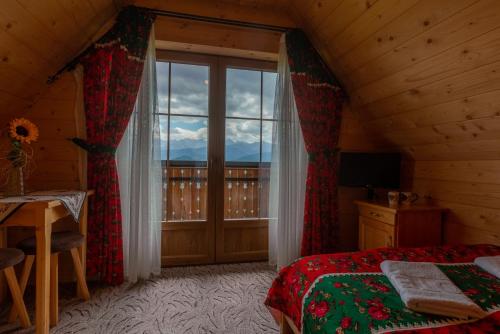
x=319, y=98
x=112, y=73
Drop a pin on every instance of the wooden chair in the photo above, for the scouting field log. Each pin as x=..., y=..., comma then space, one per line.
x=60, y=242
x=9, y=257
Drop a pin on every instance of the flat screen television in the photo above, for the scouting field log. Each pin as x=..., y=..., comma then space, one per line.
x=372, y=170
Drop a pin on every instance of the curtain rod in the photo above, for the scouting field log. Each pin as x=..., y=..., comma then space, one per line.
x=159, y=12
x=216, y=20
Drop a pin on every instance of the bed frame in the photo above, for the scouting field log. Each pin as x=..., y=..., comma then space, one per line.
x=287, y=326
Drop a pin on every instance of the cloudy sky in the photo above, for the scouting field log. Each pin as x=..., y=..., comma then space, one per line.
x=189, y=96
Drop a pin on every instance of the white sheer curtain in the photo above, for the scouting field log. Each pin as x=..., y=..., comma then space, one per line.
x=139, y=171
x=288, y=172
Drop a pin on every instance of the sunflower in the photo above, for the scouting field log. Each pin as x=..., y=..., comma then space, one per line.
x=23, y=130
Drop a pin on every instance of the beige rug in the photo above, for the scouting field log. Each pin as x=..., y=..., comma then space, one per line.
x=201, y=299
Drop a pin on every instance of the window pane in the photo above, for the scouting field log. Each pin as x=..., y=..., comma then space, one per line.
x=267, y=139
x=242, y=140
x=188, y=138
x=189, y=92
x=242, y=93
x=162, y=86
x=268, y=91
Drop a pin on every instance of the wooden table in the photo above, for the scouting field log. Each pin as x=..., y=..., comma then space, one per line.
x=41, y=215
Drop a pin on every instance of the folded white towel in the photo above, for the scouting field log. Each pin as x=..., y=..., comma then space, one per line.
x=423, y=287
x=490, y=264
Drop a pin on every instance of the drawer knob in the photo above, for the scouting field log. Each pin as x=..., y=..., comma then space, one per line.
x=375, y=214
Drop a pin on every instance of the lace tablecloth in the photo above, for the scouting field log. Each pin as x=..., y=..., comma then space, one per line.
x=71, y=199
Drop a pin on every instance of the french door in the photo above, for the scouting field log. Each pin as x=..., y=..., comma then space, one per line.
x=216, y=128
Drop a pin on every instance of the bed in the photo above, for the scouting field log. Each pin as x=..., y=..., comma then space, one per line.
x=347, y=293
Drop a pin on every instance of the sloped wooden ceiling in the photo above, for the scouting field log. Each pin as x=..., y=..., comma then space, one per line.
x=423, y=73
x=37, y=38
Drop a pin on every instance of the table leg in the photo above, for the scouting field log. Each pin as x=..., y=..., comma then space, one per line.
x=3, y=285
x=43, y=235
x=54, y=289
x=83, y=249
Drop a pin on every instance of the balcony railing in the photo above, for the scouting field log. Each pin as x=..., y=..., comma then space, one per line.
x=185, y=196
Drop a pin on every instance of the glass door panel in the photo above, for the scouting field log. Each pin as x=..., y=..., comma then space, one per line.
x=249, y=102
x=184, y=130
x=184, y=103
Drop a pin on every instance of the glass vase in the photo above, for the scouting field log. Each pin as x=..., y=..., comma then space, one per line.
x=15, y=182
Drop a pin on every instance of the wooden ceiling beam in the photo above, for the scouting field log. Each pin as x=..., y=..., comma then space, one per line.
x=262, y=12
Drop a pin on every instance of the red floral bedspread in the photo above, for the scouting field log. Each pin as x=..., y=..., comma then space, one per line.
x=292, y=283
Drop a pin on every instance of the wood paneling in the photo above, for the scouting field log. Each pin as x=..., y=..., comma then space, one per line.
x=202, y=37
x=471, y=190
x=56, y=159
x=264, y=12
x=425, y=76
x=37, y=38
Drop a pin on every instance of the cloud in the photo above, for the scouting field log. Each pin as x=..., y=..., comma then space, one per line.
x=243, y=93
x=189, y=89
x=185, y=134
x=190, y=96
x=247, y=131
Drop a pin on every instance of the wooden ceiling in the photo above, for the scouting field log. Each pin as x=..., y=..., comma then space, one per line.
x=422, y=72
x=37, y=38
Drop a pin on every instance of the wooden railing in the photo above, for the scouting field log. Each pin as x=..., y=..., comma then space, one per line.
x=185, y=195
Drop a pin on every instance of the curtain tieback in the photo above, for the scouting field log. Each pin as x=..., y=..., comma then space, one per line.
x=93, y=148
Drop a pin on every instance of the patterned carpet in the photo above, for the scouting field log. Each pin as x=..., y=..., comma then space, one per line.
x=202, y=299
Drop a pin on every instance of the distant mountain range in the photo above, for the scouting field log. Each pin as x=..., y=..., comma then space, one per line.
x=195, y=150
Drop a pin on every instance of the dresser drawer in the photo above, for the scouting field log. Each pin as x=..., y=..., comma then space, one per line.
x=374, y=234
x=374, y=213
x=381, y=225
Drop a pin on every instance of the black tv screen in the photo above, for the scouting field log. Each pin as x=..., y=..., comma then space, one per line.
x=378, y=170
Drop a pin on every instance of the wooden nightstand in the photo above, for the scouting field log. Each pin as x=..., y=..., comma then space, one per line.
x=404, y=226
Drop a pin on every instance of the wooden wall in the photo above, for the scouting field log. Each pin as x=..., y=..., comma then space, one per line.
x=202, y=37
x=425, y=75
x=271, y=12
x=58, y=163
x=36, y=39
x=58, y=114
x=216, y=39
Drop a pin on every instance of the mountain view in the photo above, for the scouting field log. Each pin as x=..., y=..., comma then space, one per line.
x=196, y=150
x=249, y=112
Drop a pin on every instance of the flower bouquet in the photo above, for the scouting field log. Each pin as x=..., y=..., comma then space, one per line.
x=19, y=156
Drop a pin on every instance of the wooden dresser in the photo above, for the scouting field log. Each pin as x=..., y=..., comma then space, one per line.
x=404, y=226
